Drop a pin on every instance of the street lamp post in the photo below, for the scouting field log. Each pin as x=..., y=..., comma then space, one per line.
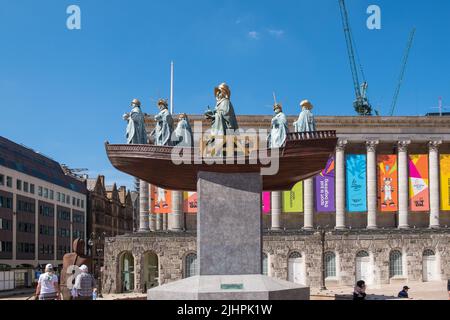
x=322, y=240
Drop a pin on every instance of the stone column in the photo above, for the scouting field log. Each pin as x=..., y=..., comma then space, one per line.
x=276, y=210
x=176, y=217
x=433, y=158
x=152, y=221
x=371, y=184
x=165, y=221
x=143, y=206
x=403, y=184
x=159, y=221
x=308, y=221
x=340, y=184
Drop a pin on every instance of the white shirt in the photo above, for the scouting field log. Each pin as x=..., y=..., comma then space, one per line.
x=47, y=282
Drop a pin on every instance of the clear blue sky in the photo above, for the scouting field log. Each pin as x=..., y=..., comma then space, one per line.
x=63, y=92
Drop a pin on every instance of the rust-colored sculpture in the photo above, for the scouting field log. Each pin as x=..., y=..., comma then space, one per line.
x=69, y=271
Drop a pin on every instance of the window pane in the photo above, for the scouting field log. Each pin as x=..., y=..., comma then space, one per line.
x=51, y=194
x=2, y=180
x=330, y=265
x=32, y=188
x=395, y=263
x=40, y=191
x=19, y=184
x=9, y=182
x=25, y=186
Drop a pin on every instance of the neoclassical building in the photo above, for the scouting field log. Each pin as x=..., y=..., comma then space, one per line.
x=379, y=211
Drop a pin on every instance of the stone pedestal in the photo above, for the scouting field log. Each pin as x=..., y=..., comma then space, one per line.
x=229, y=242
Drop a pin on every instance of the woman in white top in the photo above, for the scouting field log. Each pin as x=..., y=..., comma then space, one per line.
x=48, y=287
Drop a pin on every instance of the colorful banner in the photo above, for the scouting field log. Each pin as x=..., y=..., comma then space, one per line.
x=266, y=202
x=190, y=202
x=445, y=181
x=325, y=188
x=419, y=198
x=160, y=200
x=387, y=194
x=293, y=200
x=356, y=183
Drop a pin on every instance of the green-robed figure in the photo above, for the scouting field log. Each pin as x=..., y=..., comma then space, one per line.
x=222, y=117
x=162, y=133
x=279, y=130
x=136, y=133
x=305, y=122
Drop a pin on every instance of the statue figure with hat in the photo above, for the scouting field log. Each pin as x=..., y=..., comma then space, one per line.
x=162, y=132
x=222, y=117
x=136, y=133
x=183, y=132
x=279, y=130
x=305, y=122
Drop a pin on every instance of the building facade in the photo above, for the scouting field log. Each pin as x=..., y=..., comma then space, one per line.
x=381, y=210
x=42, y=209
x=110, y=213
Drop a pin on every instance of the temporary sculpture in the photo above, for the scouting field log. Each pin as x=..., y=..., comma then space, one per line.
x=183, y=132
x=70, y=263
x=222, y=117
x=164, y=125
x=279, y=130
x=136, y=133
x=305, y=122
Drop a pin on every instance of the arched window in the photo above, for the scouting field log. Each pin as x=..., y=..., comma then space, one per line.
x=330, y=264
x=362, y=254
x=190, y=265
x=127, y=270
x=428, y=253
x=265, y=264
x=295, y=255
x=395, y=264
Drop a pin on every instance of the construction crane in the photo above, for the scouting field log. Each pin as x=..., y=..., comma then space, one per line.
x=361, y=104
x=402, y=70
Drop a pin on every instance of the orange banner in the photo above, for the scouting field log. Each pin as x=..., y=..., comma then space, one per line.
x=387, y=183
x=190, y=202
x=160, y=200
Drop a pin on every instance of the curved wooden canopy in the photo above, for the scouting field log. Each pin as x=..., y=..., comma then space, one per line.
x=303, y=156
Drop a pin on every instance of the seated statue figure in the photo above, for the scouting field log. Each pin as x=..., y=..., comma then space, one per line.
x=305, y=122
x=183, y=132
x=136, y=133
x=279, y=130
x=162, y=133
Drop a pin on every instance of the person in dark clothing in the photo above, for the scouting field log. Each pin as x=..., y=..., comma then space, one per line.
x=404, y=293
x=360, y=291
x=448, y=288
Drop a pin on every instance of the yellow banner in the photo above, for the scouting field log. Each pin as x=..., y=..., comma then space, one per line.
x=293, y=200
x=445, y=182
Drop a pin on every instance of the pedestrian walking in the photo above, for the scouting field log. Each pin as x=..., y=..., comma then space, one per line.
x=84, y=284
x=359, y=293
x=48, y=287
x=404, y=293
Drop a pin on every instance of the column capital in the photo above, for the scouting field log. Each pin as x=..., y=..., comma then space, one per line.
x=403, y=145
x=371, y=145
x=433, y=145
x=340, y=146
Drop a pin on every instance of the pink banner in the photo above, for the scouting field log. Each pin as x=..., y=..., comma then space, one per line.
x=266, y=202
